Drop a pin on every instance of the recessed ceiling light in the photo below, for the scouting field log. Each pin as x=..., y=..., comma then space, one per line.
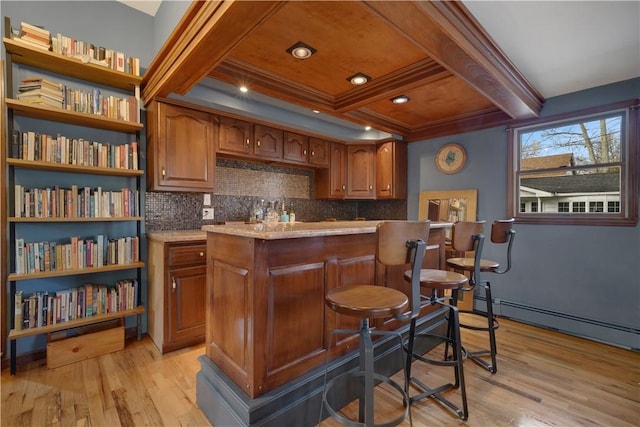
x=359, y=79
x=400, y=99
x=244, y=89
x=301, y=50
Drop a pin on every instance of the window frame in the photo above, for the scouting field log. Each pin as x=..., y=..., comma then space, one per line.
x=628, y=214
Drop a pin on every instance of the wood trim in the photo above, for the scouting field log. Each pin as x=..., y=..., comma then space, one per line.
x=465, y=49
x=212, y=27
x=4, y=152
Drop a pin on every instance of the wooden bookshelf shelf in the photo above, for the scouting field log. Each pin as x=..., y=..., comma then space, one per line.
x=68, y=66
x=69, y=272
x=27, y=109
x=59, y=167
x=15, y=334
x=93, y=219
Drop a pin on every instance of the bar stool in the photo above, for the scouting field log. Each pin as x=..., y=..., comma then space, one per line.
x=501, y=232
x=398, y=243
x=467, y=236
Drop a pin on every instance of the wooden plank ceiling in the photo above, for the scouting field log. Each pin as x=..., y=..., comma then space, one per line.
x=435, y=53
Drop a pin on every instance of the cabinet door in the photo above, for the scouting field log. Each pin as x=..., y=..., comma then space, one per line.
x=234, y=136
x=268, y=142
x=391, y=170
x=296, y=148
x=186, y=306
x=319, y=152
x=360, y=171
x=337, y=172
x=183, y=149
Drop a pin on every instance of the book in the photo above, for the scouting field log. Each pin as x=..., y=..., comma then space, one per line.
x=18, y=321
x=25, y=27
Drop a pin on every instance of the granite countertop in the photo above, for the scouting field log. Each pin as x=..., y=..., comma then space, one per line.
x=177, y=235
x=300, y=229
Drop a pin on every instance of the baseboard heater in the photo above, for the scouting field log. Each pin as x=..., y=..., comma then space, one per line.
x=584, y=327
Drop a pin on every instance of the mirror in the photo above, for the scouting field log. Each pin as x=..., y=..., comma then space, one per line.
x=448, y=205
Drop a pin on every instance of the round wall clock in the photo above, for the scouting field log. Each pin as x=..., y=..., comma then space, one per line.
x=450, y=158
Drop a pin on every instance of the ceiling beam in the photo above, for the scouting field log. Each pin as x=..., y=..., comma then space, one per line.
x=200, y=41
x=450, y=35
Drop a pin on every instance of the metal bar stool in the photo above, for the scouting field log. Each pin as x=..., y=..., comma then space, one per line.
x=398, y=243
x=438, y=283
x=501, y=232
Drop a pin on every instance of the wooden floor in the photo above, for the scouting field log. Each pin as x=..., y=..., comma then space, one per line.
x=544, y=379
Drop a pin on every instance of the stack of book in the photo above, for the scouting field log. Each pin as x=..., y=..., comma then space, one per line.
x=35, y=36
x=41, y=91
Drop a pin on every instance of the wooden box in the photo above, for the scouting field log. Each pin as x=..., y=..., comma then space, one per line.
x=69, y=350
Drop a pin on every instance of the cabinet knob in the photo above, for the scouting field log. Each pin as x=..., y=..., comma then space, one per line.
x=201, y=253
x=164, y=172
x=344, y=187
x=313, y=153
x=371, y=187
x=258, y=143
x=173, y=284
x=305, y=152
x=388, y=186
x=247, y=141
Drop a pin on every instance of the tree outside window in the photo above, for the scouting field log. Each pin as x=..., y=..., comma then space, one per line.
x=571, y=167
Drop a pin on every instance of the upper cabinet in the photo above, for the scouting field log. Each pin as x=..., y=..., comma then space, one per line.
x=181, y=146
x=319, y=152
x=268, y=142
x=364, y=172
x=391, y=170
x=246, y=139
x=296, y=148
x=361, y=169
x=331, y=183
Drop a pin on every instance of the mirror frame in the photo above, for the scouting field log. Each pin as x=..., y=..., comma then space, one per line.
x=471, y=195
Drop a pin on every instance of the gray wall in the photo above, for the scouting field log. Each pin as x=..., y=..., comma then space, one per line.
x=582, y=280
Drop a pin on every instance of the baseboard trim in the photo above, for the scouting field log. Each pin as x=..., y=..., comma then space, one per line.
x=583, y=327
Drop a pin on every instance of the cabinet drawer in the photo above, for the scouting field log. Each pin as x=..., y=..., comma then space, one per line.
x=187, y=255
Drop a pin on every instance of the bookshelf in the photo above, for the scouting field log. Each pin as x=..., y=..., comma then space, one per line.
x=33, y=175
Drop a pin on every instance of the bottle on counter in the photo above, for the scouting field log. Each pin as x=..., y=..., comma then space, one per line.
x=284, y=216
x=292, y=214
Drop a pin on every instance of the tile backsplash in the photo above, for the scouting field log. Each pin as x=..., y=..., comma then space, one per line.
x=241, y=185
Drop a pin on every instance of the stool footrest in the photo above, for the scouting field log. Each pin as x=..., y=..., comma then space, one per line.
x=381, y=378
x=448, y=341
x=435, y=394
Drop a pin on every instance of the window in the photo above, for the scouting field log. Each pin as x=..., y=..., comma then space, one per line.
x=578, y=207
x=578, y=168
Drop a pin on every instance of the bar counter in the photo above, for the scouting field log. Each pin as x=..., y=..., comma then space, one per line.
x=268, y=326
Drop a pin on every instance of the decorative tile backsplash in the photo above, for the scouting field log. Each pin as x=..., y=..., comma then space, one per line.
x=241, y=185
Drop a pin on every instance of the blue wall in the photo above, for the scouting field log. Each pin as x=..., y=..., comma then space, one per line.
x=578, y=279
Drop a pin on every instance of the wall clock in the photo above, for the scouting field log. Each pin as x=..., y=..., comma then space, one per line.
x=450, y=158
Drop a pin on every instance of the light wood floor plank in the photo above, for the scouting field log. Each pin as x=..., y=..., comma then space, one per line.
x=544, y=379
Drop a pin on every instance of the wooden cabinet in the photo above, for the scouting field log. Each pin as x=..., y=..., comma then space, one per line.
x=177, y=293
x=234, y=136
x=319, y=152
x=296, y=148
x=246, y=139
x=331, y=183
x=391, y=170
x=181, y=145
x=361, y=169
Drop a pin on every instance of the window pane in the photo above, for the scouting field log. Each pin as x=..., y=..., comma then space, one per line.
x=589, y=142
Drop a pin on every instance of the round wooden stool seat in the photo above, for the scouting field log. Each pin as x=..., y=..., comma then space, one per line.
x=367, y=301
x=467, y=264
x=440, y=279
